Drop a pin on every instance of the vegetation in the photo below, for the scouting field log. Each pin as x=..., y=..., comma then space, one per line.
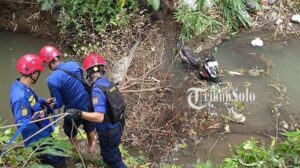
x=27, y=157
x=47, y=5
x=252, y=154
x=195, y=22
x=205, y=19
x=83, y=17
x=154, y=4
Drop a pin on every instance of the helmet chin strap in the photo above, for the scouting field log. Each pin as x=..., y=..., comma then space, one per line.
x=33, y=81
x=94, y=76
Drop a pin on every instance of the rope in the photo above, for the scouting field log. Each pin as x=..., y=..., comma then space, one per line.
x=15, y=125
x=83, y=138
x=2, y=154
x=18, y=132
x=81, y=158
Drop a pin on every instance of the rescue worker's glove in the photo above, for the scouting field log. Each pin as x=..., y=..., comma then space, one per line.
x=74, y=114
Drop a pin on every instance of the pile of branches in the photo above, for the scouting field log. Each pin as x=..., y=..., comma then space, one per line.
x=146, y=92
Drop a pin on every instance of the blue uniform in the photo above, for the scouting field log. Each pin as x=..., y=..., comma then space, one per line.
x=109, y=134
x=70, y=92
x=24, y=103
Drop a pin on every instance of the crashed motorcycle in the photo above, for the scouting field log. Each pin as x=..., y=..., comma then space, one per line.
x=209, y=67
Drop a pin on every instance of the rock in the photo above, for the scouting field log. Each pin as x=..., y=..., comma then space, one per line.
x=296, y=18
x=279, y=22
x=257, y=42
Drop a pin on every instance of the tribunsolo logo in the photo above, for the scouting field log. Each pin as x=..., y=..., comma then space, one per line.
x=198, y=98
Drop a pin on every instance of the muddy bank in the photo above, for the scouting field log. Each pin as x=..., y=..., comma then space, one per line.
x=28, y=18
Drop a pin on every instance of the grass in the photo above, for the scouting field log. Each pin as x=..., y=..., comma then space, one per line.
x=230, y=15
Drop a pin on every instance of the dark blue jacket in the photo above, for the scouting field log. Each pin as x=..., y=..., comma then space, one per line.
x=67, y=90
x=24, y=103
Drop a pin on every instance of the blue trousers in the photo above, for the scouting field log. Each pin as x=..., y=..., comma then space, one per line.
x=110, y=139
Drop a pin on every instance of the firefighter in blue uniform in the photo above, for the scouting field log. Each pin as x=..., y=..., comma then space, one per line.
x=109, y=133
x=26, y=105
x=65, y=85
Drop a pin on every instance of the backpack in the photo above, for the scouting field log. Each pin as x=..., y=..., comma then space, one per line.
x=116, y=103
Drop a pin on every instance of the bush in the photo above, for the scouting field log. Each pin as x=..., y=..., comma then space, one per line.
x=83, y=17
x=195, y=22
x=204, y=19
x=251, y=154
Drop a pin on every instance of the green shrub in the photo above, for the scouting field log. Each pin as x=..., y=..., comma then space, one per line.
x=252, y=154
x=195, y=22
x=203, y=20
x=235, y=14
x=83, y=17
x=46, y=5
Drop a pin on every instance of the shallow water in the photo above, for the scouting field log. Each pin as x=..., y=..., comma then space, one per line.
x=235, y=54
x=12, y=47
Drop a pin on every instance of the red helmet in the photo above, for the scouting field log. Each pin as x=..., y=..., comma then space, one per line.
x=93, y=59
x=30, y=63
x=47, y=53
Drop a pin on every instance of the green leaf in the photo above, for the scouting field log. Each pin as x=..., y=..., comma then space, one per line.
x=248, y=145
x=53, y=152
x=36, y=165
x=154, y=4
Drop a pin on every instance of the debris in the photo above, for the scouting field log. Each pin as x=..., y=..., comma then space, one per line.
x=278, y=86
x=255, y=72
x=237, y=117
x=182, y=145
x=279, y=22
x=247, y=84
x=257, y=42
x=233, y=115
x=227, y=128
x=226, y=86
x=284, y=125
x=239, y=105
x=296, y=18
x=214, y=126
x=120, y=70
x=234, y=73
